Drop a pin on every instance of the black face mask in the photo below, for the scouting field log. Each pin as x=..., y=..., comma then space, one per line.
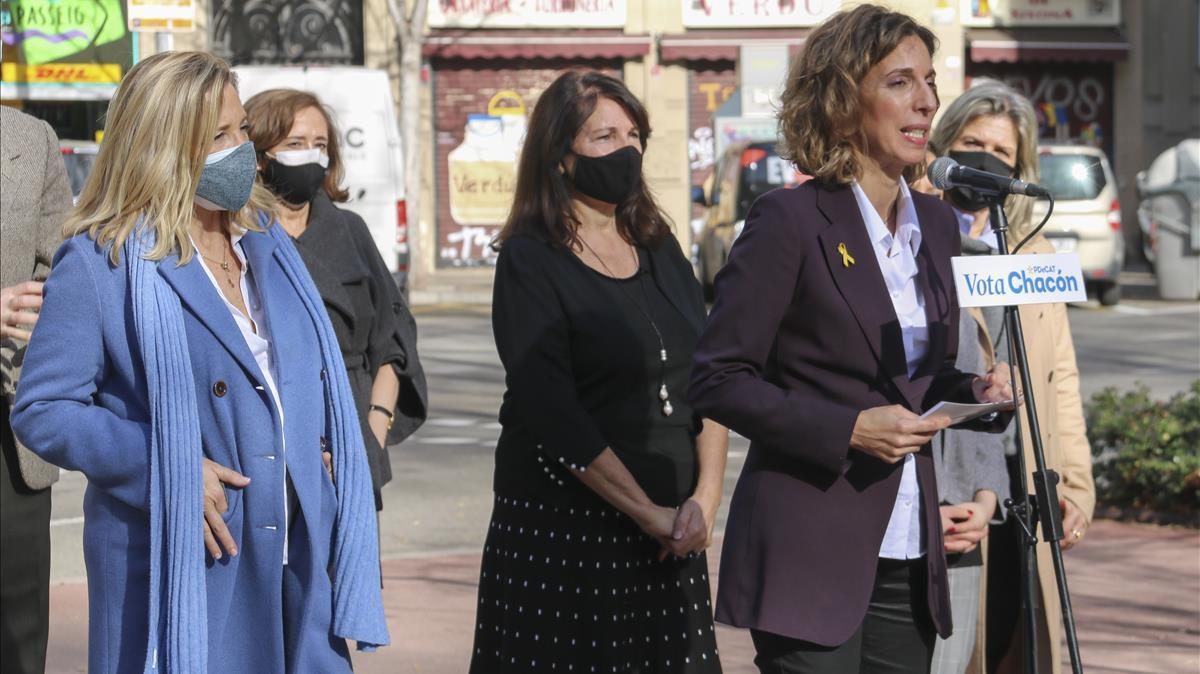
x=613, y=178
x=965, y=198
x=294, y=184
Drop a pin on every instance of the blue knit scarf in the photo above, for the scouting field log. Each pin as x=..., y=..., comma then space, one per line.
x=178, y=641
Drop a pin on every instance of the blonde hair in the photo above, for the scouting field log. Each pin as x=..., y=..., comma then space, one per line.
x=985, y=98
x=820, y=115
x=157, y=132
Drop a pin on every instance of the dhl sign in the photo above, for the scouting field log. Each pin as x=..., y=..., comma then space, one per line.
x=61, y=73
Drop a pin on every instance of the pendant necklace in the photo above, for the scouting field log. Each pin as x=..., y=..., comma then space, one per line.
x=223, y=264
x=663, y=394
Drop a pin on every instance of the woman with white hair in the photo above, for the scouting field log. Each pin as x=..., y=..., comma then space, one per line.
x=184, y=363
x=993, y=128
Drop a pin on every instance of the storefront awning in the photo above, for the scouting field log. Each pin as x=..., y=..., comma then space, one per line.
x=529, y=44
x=1046, y=44
x=722, y=45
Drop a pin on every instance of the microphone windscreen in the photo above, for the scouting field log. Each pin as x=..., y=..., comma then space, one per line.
x=939, y=172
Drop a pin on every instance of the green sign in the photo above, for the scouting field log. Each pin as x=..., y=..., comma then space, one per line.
x=71, y=43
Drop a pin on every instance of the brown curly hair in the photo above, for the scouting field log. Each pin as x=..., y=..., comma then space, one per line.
x=820, y=116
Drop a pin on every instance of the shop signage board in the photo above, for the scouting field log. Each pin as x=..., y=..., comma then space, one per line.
x=171, y=16
x=527, y=13
x=756, y=13
x=991, y=13
x=64, y=49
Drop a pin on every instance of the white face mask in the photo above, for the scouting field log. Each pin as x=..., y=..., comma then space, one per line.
x=301, y=157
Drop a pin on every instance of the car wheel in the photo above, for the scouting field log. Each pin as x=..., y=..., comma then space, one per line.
x=1109, y=293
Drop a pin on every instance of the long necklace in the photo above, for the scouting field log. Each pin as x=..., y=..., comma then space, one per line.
x=223, y=264
x=663, y=394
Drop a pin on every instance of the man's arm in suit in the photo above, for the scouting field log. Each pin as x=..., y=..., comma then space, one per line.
x=55, y=204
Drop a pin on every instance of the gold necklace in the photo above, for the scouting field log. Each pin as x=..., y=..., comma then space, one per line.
x=223, y=264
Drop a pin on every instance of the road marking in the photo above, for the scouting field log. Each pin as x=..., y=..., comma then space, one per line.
x=1168, y=336
x=1155, y=311
x=66, y=521
x=451, y=422
x=447, y=441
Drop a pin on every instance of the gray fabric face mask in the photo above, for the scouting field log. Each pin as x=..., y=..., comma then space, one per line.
x=227, y=178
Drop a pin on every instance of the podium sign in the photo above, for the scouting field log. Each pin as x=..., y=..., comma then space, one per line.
x=1002, y=280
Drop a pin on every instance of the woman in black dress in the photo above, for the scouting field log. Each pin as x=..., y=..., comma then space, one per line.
x=606, y=484
x=299, y=161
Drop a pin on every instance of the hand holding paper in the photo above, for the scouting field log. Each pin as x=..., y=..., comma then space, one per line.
x=960, y=412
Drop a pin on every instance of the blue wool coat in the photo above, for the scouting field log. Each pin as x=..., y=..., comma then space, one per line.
x=83, y=404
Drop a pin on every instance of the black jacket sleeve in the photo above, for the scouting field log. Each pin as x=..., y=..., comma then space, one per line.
x=393, y=337
x=532, y=333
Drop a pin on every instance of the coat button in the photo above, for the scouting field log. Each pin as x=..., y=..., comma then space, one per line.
x=220, y=389
x=324, y=442
x=322, y=374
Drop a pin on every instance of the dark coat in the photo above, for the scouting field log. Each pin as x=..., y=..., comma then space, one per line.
x=373, y=324
x=797, y=345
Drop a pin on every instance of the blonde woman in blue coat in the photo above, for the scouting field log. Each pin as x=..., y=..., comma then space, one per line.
x=184, y=363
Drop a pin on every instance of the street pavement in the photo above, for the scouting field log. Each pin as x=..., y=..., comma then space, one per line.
x=1136, y=588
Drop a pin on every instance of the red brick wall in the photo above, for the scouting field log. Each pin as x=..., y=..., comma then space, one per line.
x=464, y=87
x=709, y=86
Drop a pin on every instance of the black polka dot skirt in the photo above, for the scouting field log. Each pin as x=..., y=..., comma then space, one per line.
x=581, y=590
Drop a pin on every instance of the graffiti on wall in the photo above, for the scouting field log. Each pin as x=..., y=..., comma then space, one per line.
x=1073, y=101
x=288, y=31
x=482, y=177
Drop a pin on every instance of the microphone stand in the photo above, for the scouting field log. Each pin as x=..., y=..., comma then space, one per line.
x=1042, y=506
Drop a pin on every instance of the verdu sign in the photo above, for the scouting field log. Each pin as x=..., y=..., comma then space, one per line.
x=1000, y=280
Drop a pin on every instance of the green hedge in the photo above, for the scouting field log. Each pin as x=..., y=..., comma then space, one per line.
x=1147, y=452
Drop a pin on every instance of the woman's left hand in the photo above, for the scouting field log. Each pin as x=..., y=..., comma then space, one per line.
x=327, y=459
x=690, y=532
x=1074, y=524
x=963, y=526
x=379, y=427
x=995, y=386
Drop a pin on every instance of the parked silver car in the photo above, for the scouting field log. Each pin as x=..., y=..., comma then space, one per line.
x=1087, y=214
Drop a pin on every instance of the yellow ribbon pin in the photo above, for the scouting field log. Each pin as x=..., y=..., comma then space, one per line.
x=847, y=260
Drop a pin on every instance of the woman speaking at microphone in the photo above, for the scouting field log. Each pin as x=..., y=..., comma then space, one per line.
x=835, y=327
x=993, y=128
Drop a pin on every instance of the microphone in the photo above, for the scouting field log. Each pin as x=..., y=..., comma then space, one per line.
x=946, y=173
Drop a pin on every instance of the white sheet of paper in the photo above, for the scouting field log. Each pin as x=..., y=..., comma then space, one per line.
x=960, y=412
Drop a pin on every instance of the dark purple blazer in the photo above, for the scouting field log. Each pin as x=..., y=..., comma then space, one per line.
x=797, y=344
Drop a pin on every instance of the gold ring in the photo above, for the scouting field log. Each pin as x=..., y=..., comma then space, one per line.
x=1077, y=534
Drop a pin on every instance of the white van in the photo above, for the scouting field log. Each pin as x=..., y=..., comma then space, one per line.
x=372, y=153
